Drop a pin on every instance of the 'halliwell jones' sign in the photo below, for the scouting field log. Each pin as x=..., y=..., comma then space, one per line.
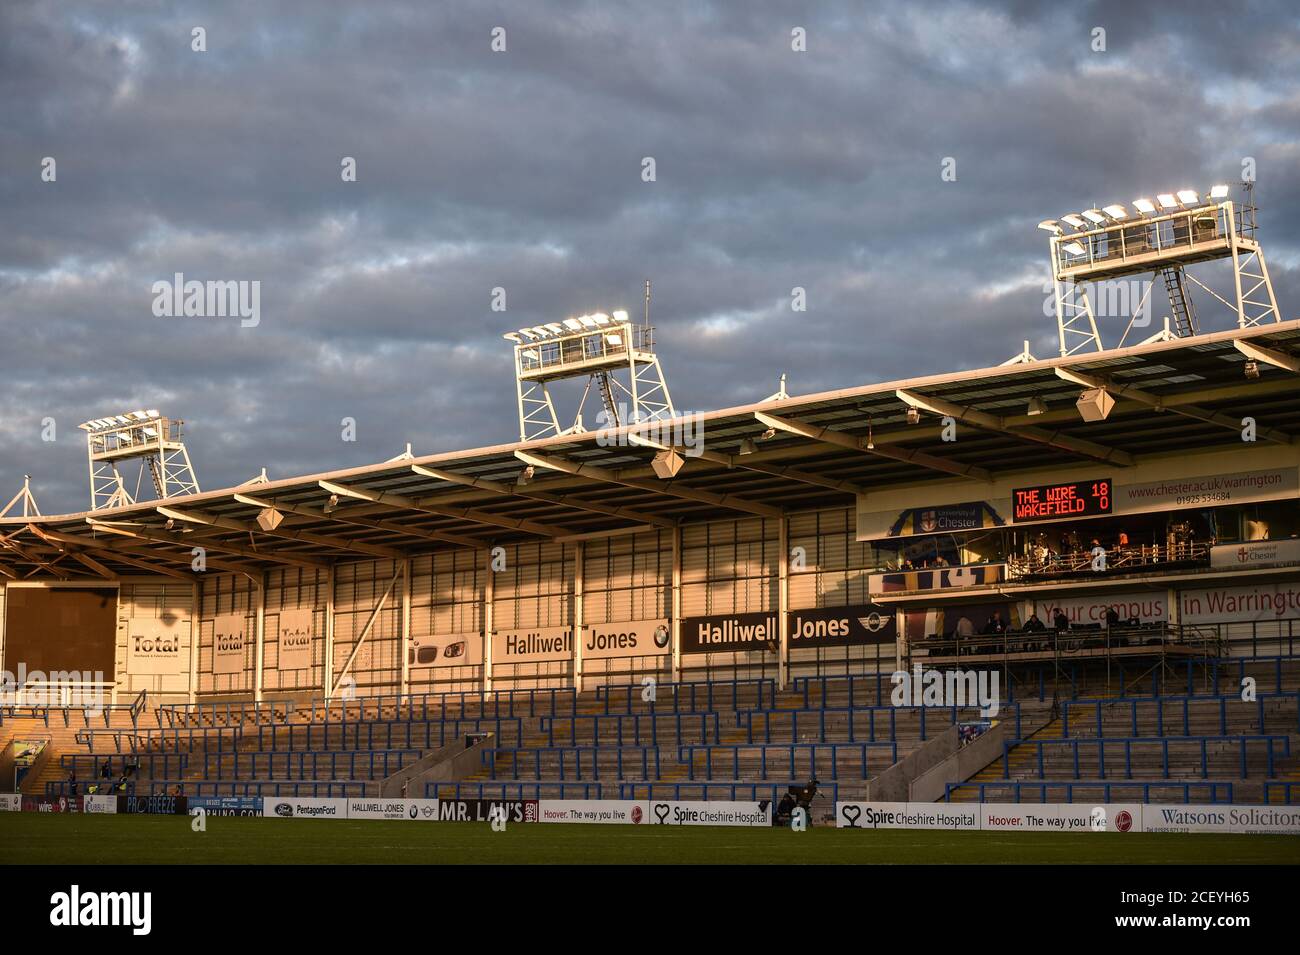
x=827, y=627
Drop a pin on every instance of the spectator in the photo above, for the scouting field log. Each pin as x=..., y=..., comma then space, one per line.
x=1122, y=539
x=1112, y=618
x=1134, y=621
x=1060, y=621
x=1033, y=624
x=964, y=627
x=104, y=771
x=995, y=624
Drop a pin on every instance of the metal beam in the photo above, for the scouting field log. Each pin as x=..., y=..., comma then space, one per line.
x=741, y=462
x=1267, y=355
x=561, y=500
x=1153, y=401
x=125, y=552
x=32, y=558
x=208, y=544
x=365, y=631
x=248, y=527
x=666, y=488
x=988, y=422
x=304, y=510
x=471, y=515
x=841, y=439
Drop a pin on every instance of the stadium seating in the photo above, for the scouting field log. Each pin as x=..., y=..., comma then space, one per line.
x=1181, y=737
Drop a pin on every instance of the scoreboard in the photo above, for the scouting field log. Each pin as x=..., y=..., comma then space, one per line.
x=1070, y=499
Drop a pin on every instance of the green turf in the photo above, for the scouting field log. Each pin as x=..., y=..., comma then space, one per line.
x=34, y=838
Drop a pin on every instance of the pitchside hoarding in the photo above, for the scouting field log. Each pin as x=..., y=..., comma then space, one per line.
x=1060, y=817
x=594, y=811
x=294, y=807
x=906, y=815
x=1248, y=820
x=629, y=638
x=710, y=813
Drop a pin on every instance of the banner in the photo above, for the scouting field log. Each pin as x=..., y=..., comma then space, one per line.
x=630, y=638
x=154, y=646
x=11, y=802
x=1060, y=817
x=946, y=519
x=1150, y=606
x=229, y=636
x=711, y=813
x=724, y=632
x=103, y=805
x=295, y=639
x=906, y=815
x=479, y=810
x=532, y=645
x=1239, y=604
x=1241, y=487
x=1250, y=820
x=292, y=807
x=841, y=626
x=593, y=811
x=225, y=805
x=1256, y=554
x=152, y=805
x=52, y=803
x=366, y=808
x=936, y=578
x=447, y=650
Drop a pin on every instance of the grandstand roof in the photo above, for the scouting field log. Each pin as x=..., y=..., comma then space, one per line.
x=1170, y=396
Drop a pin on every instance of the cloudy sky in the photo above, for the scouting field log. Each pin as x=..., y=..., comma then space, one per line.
x=523, y=170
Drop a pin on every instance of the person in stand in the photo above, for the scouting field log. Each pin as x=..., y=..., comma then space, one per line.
x=1060, y=621
x=995, y=625
x=104, y=771
x=1134, y=621
x=1033, y=624
x=1112, y=618
x=1122, y=539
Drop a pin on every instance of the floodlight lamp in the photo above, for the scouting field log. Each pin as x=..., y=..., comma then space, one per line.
x=269, y=519
x=1116, y=211
x=332, y=504
x=1219, y=192
x=526, y=475
x=747, y=446
x=587, y=321
x=1144, y=206
x=531, y=354
x=529, y=334
x=1037, y=406
x=1074, y=220
x=1094, y=215
x=614, y=339
x=620, y=315
x=913, y=415
x=1188, y=197
x=1074, y=248
x=1251, y=368
x=1050, y=225
x=513, y=337
x=171, y=524
x=153, y=414
x=1166, y=200
x=572, y=323
x=601, y=318
x=767, y=435
x=554, y=327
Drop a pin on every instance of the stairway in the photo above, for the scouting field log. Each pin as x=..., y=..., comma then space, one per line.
x=1021, y=757
x=1180, y=302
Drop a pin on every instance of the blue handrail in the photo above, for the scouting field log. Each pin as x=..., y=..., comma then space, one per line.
x=1190, y=792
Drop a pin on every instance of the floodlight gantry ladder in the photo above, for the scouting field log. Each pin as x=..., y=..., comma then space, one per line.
x=147, y=438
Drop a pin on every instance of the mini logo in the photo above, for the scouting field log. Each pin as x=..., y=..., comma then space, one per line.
x=1123, y=821
x=873, y=622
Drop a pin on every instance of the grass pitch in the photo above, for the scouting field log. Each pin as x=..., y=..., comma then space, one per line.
x=36, y=838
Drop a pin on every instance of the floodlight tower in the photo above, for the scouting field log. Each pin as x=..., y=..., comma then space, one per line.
x=616, y=356
x=143, y=437
x=1163, y=238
